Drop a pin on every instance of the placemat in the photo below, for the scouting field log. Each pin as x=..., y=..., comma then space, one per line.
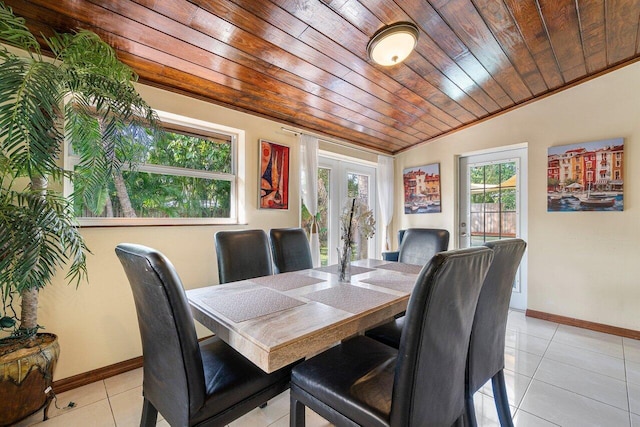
x=401, y=267
x=251, y=304
x=349, y=298
x=403, y=284
x=286, y=281
x=333, y=269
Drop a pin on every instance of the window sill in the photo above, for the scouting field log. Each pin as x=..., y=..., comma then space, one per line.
x=153, y=222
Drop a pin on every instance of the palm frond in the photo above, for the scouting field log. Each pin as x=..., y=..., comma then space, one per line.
x=88, y=55
x=30, y=102
x=102, y=103
x=37, y=237
x=14, y=31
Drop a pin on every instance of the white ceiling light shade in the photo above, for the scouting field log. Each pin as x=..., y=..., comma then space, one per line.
x=391, y=45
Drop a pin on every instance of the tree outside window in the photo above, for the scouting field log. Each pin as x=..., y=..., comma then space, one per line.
x=177, y=174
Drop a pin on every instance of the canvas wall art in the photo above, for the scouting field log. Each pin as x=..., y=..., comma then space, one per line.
x=274, y=175
x=422, y=189
x=586, y=176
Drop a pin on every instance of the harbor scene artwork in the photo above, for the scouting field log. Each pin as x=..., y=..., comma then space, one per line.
x=422, y=189
x=586, y=176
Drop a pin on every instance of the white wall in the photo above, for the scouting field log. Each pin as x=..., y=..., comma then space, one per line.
x=583, y=265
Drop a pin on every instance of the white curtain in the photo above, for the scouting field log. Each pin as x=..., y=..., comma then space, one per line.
x=309, y=189
x=384, y=178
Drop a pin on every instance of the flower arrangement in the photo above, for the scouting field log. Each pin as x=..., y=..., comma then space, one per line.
x=356, y=217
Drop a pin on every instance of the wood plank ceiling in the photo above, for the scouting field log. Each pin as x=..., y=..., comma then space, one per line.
x=304, y=62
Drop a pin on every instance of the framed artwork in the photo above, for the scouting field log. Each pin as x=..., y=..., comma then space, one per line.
x=274, y=175
x=586, y=177
x=422, y=189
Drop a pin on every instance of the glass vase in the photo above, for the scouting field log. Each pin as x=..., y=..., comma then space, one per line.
x=344, y=266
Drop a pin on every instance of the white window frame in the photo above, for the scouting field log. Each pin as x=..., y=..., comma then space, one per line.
x=195, y=126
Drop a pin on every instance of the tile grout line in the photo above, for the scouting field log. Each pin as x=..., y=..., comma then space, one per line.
x=518, y=332
x=626, y=378
x=533, y=377
x=113, y=415
x=578, y=367
x=582, y=349
x=588, y=397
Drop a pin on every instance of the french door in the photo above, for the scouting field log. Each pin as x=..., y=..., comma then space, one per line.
x=493, y=205
x=339, y=180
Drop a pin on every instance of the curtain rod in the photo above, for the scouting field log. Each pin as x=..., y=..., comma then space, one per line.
x=343, y=144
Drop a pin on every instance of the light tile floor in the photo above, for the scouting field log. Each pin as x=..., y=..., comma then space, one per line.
x=556, y=375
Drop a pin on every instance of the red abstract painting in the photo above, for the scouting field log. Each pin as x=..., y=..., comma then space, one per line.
x=274, y=175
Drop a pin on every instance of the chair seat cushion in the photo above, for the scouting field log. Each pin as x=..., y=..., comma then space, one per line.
x=354, y=378
x=389, y=333
x=231, y=378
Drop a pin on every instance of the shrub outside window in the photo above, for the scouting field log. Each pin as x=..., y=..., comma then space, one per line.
x=186, y=176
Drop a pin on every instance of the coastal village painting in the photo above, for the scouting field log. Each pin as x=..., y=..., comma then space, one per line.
x=422, y=189
x=586, y=176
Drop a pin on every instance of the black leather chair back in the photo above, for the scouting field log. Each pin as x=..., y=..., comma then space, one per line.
x=393, y=255
x=290, y=249
x=433, y=347
x=172, y=370
x=242, y=254
x=486, y=347
x=419, y=245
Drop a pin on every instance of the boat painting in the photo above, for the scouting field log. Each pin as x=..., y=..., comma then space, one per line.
x=586, y=176
x=594, y=202
x=583, y=203
x=422, y=189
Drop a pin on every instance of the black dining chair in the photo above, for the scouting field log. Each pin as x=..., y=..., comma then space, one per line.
x=393, y=255
x=290, y=249
x=486, y=345
x=486, y=348
x=189, y=383
x=242, y=254
x=420, y=244
x=364, y=382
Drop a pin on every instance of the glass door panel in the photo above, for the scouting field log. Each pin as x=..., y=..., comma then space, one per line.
x=358, y=187
x=493, y=205
x=324, y=200
x=323, y=215
x=493, y=202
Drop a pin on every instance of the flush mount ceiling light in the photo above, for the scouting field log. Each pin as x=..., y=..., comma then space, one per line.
x=391, y=45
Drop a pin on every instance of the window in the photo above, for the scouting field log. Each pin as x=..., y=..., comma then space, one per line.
x=186, y=176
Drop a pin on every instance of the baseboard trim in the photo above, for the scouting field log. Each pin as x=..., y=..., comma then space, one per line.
x=585, y=324
x=99, y=374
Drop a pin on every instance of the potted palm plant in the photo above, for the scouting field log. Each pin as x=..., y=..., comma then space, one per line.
x=81, y=93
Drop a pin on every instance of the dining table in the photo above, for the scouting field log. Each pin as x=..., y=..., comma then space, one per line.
x=278, y=319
